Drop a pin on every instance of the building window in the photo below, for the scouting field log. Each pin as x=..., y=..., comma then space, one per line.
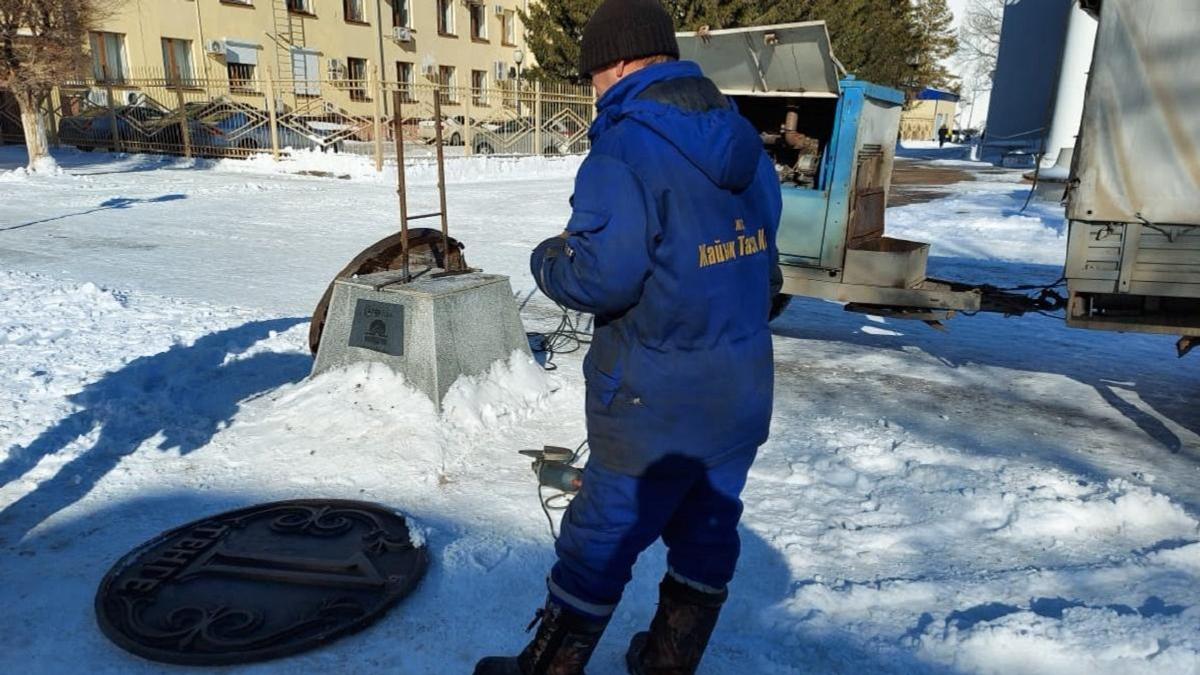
x=448, y=79
x=306, y=75
x=445, y=17
x=479, y=87
x=300, y=6
x=400, y=14
x=404, y=75
x=108, y=57
x=177, y=61
x=356, y=73
x=478, y=21
x=241, y=77
x=509, y=28
x=356, y=11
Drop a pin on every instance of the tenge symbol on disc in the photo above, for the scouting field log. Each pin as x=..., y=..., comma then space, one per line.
x=261, y=582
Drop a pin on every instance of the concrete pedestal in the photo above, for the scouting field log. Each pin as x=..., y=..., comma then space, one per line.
x=431, y=330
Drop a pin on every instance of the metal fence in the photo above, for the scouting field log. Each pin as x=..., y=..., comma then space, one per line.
x=239, y=117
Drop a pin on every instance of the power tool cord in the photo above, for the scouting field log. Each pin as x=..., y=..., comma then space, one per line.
x=566, y=338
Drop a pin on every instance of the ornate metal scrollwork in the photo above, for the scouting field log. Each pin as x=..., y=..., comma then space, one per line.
x=229, y=589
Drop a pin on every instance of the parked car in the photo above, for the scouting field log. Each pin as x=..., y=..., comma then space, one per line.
x=220, y=126
x=517, y=137
x=137, y=124
x=231, y=125
x=427, y=130
x=454, y=130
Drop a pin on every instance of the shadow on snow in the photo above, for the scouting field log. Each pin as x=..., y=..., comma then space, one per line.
x=107, y=205
x=1138, y=376
x=184, y=395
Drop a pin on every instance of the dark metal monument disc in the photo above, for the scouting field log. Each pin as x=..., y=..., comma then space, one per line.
x=261, y=582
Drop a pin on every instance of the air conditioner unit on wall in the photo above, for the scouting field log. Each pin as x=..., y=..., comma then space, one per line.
x=215, y=47
x=402, y=34
x=336, y=69
x=499, y=10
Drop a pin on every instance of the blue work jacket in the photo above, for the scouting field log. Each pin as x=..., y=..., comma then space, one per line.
x=671, y=245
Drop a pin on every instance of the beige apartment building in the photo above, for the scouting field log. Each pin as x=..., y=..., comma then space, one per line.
x=306, y=45
x=932, y=110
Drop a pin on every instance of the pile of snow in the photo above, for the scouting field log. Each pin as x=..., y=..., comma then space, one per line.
x=511, y=390
x=1185, y=558
x=1120, y=510
x=1084, y=640
x=45, y=166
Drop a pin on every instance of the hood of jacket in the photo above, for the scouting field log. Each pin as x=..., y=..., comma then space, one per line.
x=676, y=102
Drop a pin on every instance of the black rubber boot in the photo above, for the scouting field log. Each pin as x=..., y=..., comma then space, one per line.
x=563, y=644
x=679, y=632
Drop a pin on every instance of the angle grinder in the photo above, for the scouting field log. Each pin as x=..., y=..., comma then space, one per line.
x=552, y=465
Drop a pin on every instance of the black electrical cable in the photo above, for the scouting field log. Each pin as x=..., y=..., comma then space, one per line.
x=1032, y=287
x=1046, y=299
x=566, y=338
x=1037, y=174
x=546, y=511
x=581, y=451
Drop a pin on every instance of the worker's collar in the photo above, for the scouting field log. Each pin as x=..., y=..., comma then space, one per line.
x=632, y=85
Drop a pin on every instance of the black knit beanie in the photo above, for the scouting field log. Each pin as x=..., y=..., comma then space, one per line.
x=624, y=30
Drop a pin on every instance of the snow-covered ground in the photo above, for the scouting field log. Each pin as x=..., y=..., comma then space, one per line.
x=1008, y=497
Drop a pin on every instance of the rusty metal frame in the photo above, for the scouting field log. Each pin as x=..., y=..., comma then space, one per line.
x=929, y=294
x=402, y=188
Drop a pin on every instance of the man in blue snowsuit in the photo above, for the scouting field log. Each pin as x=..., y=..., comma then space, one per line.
x=671, y=245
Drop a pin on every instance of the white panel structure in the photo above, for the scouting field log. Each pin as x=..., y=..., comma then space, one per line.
x=1138, y=156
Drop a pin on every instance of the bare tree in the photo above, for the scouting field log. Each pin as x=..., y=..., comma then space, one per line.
x=979, y=40
x=41, y=45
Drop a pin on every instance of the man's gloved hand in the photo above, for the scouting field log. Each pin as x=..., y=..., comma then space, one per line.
x=551, y=248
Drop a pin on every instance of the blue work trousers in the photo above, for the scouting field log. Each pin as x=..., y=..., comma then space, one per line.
x=694, y=508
